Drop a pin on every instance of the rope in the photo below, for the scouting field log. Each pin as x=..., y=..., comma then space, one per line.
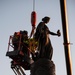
x=33, y=5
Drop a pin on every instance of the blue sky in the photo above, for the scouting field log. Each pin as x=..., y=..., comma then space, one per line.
x=15, y=15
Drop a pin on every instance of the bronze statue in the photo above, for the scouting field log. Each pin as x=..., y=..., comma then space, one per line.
x=45, y=49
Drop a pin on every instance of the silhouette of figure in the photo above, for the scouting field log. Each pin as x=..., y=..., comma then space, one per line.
x=45, y=49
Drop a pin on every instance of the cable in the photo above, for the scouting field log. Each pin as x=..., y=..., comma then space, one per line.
x=33, y=5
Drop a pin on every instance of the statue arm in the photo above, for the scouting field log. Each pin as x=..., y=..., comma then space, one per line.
x=52, y=33
x=57, y=34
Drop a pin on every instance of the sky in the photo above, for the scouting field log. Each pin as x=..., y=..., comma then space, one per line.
x=15, y=15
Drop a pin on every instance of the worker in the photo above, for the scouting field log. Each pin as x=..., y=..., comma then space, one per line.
x=15, y=40
x=25, y=42
x=20, y=39
x=45, y=49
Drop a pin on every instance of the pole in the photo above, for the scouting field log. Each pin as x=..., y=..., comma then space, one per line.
x=66, y=36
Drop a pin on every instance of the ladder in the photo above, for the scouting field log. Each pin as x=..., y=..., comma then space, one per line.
x=18, y=70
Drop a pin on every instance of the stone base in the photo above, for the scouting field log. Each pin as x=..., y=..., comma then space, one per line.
x=43, y=67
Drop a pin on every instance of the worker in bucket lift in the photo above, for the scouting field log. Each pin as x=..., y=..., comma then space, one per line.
x=25, y=42
x=15, y=40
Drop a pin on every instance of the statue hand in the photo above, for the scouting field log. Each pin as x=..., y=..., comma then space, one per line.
x=58, y=33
